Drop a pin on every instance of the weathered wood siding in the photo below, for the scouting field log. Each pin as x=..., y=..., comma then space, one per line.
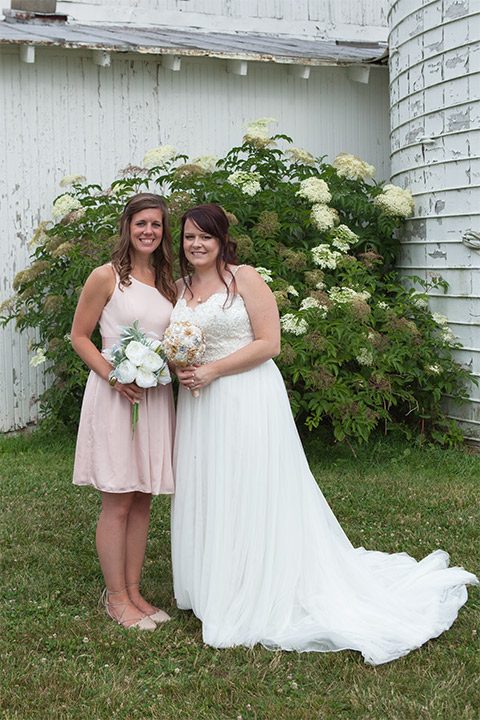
x=63, y=114
x=346, y=19
x=435, y=139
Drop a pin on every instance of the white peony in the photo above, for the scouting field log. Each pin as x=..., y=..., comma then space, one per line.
x=126, y=372
x=136, y=351
x=145, y=378
x=151, y=361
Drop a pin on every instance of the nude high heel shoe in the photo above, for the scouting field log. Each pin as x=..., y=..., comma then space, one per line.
x=144, y=623
x=159, y=616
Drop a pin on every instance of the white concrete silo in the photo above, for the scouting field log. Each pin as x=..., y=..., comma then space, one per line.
x=435, y=151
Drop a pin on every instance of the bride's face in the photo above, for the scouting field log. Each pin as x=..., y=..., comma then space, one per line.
x=201, y=249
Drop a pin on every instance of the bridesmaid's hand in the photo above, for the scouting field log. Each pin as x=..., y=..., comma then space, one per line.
x=130, y=391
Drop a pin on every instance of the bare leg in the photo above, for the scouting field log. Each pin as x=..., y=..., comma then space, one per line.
x=137, y=532
x=112, y=551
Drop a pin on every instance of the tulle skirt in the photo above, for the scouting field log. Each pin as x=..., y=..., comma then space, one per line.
x=259, y=556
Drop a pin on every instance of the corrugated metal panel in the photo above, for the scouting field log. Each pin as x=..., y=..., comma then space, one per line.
x=63, y=114
x=157, y=40
x=435, y=128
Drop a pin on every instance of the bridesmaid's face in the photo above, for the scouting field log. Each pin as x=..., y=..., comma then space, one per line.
x=146, y=231
x=201, y=249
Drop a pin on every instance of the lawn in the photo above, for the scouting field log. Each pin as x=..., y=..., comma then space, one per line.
x=62, y=658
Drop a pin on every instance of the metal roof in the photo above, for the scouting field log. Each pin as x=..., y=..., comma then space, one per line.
x=192, y=42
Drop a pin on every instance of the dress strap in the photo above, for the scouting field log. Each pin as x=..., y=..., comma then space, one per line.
x=234, y=273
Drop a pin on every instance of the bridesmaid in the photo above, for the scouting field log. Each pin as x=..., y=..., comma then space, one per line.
x=136, y=285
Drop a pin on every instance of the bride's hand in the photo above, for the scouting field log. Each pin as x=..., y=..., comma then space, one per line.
x=197, y=376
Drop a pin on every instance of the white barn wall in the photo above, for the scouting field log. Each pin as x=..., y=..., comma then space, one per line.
x=345, y=19
x=67, y=115
x=435, y=134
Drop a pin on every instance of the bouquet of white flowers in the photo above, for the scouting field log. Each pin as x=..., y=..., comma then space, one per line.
x=138, y=357
x=184, y=345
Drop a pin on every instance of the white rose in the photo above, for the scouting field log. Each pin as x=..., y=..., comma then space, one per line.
x=145, y=378
x=136, y=351
x=126, y=372
x=152, y=361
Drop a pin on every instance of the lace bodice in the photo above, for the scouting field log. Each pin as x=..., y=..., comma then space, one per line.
x=226, y=325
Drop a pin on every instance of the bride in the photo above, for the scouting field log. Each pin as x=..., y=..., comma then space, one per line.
x=257, y=553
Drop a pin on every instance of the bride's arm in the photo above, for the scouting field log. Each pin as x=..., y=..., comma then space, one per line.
x=263, y=313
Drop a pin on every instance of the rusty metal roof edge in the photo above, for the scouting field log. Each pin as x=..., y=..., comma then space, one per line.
x=187, y=52
x=366, y=53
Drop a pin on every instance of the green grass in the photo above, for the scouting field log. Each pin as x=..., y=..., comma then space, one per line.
x=60, y=657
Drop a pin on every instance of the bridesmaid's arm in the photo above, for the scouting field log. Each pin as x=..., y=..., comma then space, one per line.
x=263, y=313
x=96, y=292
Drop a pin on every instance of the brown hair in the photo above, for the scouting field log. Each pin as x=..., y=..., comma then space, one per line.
x=161, y=257
x=212, y=220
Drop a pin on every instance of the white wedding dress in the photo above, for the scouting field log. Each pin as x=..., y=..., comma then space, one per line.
x=257, y=553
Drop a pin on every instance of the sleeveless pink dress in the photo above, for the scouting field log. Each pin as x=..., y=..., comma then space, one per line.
x=106, y=456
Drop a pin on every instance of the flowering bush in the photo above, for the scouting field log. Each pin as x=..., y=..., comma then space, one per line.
x=360, y=350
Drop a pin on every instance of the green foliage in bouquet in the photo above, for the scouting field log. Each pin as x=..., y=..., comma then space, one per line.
x=359, y=349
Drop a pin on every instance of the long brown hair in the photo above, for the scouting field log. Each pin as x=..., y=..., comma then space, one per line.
x=213, y=221
x=161, y=257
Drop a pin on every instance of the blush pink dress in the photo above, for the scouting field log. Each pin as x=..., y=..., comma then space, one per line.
x=106, y=456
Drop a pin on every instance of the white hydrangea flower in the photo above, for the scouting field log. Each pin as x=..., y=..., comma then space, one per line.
x=323, y=217
x=248, y=182
x=291, y=291
x=258, y=137
x=419, y=300
x=309, y=302
x=261, y=123
x=265, y=274
x=344, y=238
x=39, y=358
x=64, y=205
x=382, y=305
x=345, y=294
x=315, y=190
x=448, y=336
x=440, y=319
x=352, y=167
x=206, y=162
x=71, y=180
x=435, y=369
x=365, y=357
x=293, y=325
x=301, y=156
x=340, y=244
x=324, y=257
x=40, y=237
x=395, y=202
x=159, y=156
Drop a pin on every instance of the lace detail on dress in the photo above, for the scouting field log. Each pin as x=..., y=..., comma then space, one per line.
x=226, y=329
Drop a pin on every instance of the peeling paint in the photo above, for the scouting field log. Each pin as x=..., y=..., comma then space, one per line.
x=456, y=10
x=459, y=60
x=439, y=206
x=438, y=254
x=459, y=120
